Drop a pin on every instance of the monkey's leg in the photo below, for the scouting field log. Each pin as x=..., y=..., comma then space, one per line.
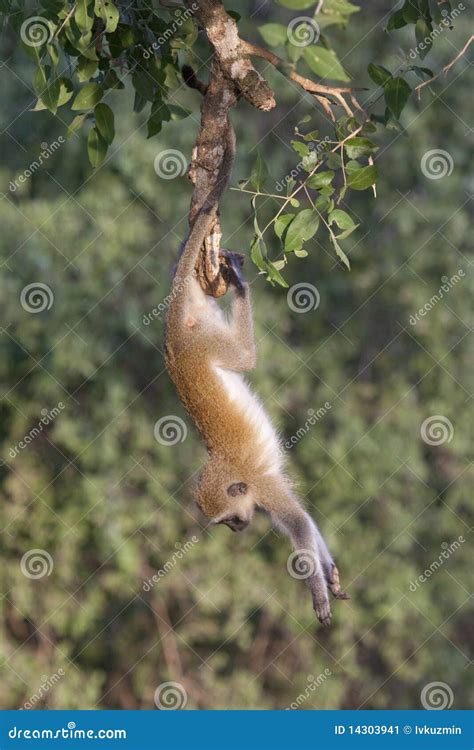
x=233, y=343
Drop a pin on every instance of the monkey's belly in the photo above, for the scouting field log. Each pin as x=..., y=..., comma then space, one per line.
x=268, y=454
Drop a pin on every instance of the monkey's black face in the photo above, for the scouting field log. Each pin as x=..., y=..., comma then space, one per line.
x=235, y=523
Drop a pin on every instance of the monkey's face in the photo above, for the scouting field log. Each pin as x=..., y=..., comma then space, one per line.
x=223, y=498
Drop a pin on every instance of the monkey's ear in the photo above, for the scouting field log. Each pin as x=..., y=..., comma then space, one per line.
x=238, y=488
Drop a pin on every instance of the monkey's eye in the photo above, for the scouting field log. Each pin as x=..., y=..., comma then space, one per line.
x=238, y=488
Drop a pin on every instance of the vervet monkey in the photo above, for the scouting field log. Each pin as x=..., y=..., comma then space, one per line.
x=205, y=355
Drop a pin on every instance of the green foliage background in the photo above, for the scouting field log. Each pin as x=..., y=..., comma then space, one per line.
x=110, y=504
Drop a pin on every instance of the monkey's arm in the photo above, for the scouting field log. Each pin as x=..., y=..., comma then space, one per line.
x=234, y=347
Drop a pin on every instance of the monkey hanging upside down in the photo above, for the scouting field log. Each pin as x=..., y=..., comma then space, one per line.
x=205, y=354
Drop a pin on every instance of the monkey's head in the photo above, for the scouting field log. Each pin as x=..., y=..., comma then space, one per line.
x=224, y=496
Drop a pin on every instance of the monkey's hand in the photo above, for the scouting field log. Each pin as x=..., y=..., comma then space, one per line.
x=231, y=271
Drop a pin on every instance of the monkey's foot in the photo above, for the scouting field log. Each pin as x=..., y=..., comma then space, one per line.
x=335, y=586
x=323, y=612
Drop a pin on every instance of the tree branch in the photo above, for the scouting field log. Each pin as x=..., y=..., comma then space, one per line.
x=221, y=30
x=320, y=91
x=446, y=68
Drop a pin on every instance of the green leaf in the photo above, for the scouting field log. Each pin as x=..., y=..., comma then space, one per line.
x=48, y=91
x=83, y=18
x=339, y=251
x=302, y=228
x=144, y=85
x=396, y=92
x=104, y=120
x=259, y=173
x=358, y=146
x=344, y=221
x=76, y=125
x=178, y=113
x=96, y=148
x=320, y=180
x=65, y=93
x=53, y=54
x=324, y=63
x=335, y=12
x=258, y=253
x=361, y=178
x=273, y=34
x=422, y=34
x=379, y=74
x=274, y=275
x=282, y=223
x=396, y=20
x=88, y=97
x=296, y=4
x=86, y=68
x=301, y=148
x=107, y=11
x=422, y=73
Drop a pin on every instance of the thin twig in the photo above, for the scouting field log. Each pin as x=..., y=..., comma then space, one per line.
x=446, y=68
